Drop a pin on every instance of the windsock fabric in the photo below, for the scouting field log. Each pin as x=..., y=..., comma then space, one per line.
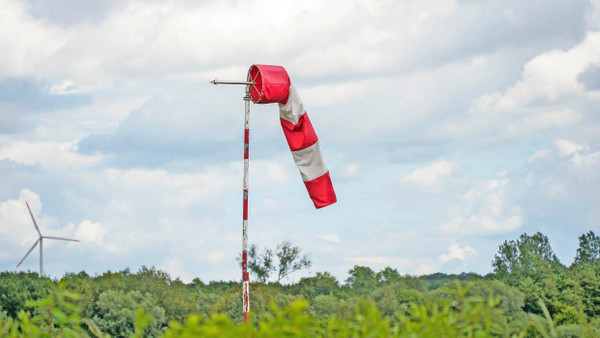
x=272, y=84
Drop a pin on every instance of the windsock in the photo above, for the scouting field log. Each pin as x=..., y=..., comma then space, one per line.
x=272, y=85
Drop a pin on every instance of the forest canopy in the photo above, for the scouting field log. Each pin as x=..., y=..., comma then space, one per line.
x=528, y=293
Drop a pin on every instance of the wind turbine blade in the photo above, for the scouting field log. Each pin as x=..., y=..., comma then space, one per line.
x=28, y=252
x=61, y=238
x=33, y=219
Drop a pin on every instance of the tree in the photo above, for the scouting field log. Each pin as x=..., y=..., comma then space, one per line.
x=262, y=265
x=388, y=276
x=589, y=249
x=324, y=283
x=588, y=276
x=115, y=313
x=16, y=288
x=290, y=260
x=325, y=305
x=526, y=255
x=362, y=279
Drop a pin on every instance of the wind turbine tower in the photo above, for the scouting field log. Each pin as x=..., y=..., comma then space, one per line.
x=40, y=240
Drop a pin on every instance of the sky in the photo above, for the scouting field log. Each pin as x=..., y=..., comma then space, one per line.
x=448, y=127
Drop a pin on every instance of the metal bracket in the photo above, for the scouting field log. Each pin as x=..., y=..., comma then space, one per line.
x=216, y=82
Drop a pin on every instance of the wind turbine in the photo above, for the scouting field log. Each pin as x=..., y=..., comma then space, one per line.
x=41, y=241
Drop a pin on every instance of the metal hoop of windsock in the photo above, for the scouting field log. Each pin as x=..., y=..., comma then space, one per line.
x=271, y=84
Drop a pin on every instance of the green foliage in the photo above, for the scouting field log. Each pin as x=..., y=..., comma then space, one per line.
x=388, y=275
x=323, y=283
x=57, y=313
x=290, y=260
x=326, y=305
x=54, y=315
x=385, y=298
x=589, y=249
x=526, y=255
x=566, y=315
x=291, y=321
x=362, y=280
x=17, y=288
x=262, y=265
x=436, y=280
x=205, y=302
x=458, y=315
x=588, y=277
x=571, y=295
x=531, y=295
x=366, y=321
x=215, y=326
x=575, y=331
x=116, y=313
x=408, y=297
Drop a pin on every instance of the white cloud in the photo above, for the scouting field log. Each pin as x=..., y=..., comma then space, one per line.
x=26, y=42
x=456, y=252
x=587, y=159
x=88, y=231
x=67, y=87
x=269, y=207
x=550, y=76
x=276, y=172
x=350, y=170
x=541, y=103
x=566, y=148
x=15, y=220
x=175, y=40
x=330, y=94
x=55, y=156
x=552, y=188
x=483, y=211
x=426, y=268
x=403, y=265
x=549, y=119
x=558, y=179
x=176, y=268
x=330, y=238
x=216, y=257
x=541, y=156
x=432, y=177
x=578, y=156
x=213, y=183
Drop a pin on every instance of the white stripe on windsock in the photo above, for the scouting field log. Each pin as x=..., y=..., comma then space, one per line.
x=310, y=162
x=293, y=108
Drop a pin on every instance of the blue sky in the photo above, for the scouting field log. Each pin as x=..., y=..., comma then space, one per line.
x=448, y=127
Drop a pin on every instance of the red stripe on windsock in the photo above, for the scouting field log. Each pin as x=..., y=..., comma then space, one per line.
x=301, y=135
x=321, y=191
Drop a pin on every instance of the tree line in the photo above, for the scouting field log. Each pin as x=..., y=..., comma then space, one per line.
x=529, y=293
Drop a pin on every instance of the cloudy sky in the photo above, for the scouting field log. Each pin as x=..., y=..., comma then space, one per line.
x=448, y=127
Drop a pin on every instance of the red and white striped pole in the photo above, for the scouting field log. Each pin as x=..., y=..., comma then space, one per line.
x=245, y=274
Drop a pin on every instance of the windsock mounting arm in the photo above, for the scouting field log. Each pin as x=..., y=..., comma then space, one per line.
x=216, y=82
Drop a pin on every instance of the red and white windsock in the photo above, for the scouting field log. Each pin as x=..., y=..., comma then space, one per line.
x=273, y=85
